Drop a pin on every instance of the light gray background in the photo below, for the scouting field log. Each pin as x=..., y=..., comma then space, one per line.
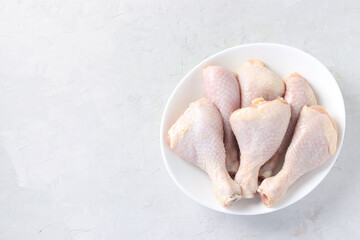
x=82, y=88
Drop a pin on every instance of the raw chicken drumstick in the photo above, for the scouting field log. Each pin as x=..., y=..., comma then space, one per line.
x=313, y=143
x=197, y=137
x=298, y=93
x=257, y=81
x=259, y=130
x=222, y=88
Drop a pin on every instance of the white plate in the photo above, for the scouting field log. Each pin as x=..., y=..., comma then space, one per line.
x=283, y=60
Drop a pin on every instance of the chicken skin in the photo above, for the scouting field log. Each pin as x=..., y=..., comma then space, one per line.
x=313, y=143
x=298, y=93
x=257, y=81
x=197, y=137
x=259, y=130
x=222, y=88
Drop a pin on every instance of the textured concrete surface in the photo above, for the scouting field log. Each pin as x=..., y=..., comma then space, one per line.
x=82, y=89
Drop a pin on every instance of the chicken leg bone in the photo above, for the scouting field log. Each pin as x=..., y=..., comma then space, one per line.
x=313, y=143
x=222, y=88
x=298, y=93
x=259, y=130
x=197, y=137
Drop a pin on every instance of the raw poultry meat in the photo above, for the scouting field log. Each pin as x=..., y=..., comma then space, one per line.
x=313, y=143
x=257, y=81
x=222, y=88
x=298, y=93
x=197, y=137
x=259, y=130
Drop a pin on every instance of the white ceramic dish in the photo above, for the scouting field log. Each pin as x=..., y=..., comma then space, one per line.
x=283, y=60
